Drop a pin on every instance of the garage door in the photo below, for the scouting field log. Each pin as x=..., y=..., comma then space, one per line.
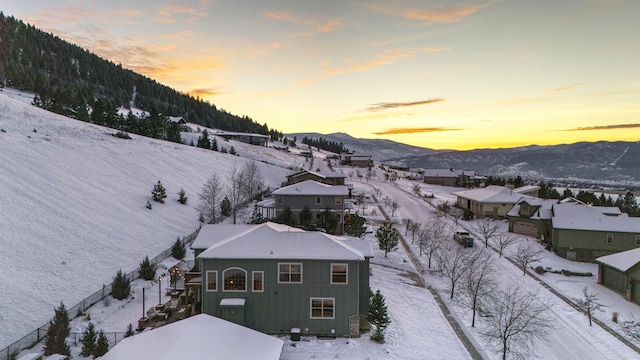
x=613, y=279
x=525, y=228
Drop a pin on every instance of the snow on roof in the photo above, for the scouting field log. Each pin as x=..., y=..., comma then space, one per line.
x=310, y=187
x=276, y=241
x=266, y=203
x=608, y=210
x=543, y=212
x=440, y=173
x=321, y=174
x=232, y=133
x=583, y=217
x=492, y=194
x=198, y=337
x=526, y=188
x=622, y=261
x=207, y=233
x=233, y=302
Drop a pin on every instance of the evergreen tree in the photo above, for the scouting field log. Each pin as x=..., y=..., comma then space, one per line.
x=121, y=286
x=182, y=197
x=306, y=218
x=329, y=221
x=388, y=238
x=159, y=193
x=102, y=345
x=147, y=270
x=378, y=317
x=256, y=217
x=178, y=250
x=129, y=332
x=630, y=204
x=88, y=340
x=214, y=144
x=354, y=225
x=232, y=151
x=286, y=217
x=203, y=140
x=57, y=333
x=225, y=206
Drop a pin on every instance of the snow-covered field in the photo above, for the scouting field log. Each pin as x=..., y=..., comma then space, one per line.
x=72, y=213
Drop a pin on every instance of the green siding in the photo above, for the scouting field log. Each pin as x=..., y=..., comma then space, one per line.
x=281, y=307
x=589, y=245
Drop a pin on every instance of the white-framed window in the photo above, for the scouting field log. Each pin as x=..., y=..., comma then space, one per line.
x=609, y=238
x=279, y=199
x=258, y=281
x=212, y=280
x=338, y=200
x=318, y=200
x=322, y=308
x=339, y=273
x=290, y=273
x=235, y=279
x=637, y=239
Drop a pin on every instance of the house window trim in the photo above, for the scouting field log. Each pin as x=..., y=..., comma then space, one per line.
x=224, y=282
x=279, y=199
x=322, y=308
x=290, y=282
x=253, y=281
x=609, y=238
x=207, y=280
x=346, y=275
x=338, y=200
x=318, y=200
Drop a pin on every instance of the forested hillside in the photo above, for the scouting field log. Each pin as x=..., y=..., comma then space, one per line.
x=69, y=80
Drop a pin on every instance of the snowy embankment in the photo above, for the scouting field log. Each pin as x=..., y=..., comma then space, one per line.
x=72, y=206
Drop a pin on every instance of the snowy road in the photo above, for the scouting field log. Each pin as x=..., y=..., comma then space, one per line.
x=570, y=338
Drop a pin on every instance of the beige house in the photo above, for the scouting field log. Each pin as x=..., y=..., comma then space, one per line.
x=492, y=201
x=452, y=177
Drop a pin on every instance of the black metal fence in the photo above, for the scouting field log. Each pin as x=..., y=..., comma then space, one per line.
x=38, y=334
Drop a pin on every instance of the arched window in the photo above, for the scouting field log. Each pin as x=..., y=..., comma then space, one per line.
x=235, y=279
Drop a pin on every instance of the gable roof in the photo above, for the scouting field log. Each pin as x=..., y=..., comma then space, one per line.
x=583, y=217
x=207, y=233
x=310, y=187
x=322, y=175
x=448, y=173
x=622, y=261
x=198, y=337
x=492, y=194
x=543, y=211
x=276, y=241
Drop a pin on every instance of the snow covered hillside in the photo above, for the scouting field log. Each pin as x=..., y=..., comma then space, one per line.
x=72, y=205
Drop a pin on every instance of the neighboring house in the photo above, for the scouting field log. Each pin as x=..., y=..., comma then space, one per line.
x=329, y=178
x=273, y=278
x=584, y=233
x=530, y=190
x=360, y=160
x=621, y=272
x=249, y=138
x=318, y=197
x=492, y=201
x=452, y=177
x=532, y=216
x=198, y=337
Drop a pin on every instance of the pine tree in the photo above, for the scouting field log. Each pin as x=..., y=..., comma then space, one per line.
x=159, y=193
x=225, y=206
x=88, y=340
x=182, y=197
x=378, y=317
x=232, y=151
x=214, y=144
x=388, y=238
x=203, y=140
x=129, y=332
x=57, y=333
x=256, y=217
x=147, y=270
x=121, y=286
x=102, y=345
x=178, y=250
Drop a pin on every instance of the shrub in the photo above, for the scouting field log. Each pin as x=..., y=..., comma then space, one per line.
x=182, y=197
x=178, y=251
x=158, y=192
x=129, y=332
x=147, y=270
x=121, y=286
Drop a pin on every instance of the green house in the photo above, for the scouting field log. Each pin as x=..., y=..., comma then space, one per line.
x=584, y=233
x=274, y=278
x=621, y=273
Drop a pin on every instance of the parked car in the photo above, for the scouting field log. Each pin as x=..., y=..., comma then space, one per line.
x=464, y=238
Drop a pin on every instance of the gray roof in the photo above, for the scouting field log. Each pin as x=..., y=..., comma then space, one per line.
x=310, y=187
x=276, y=241
x=492, y=194
x=622, y=261
x=449, y=173
x=322, y=175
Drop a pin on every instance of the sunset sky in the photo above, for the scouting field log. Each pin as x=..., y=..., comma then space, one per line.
x=438, y=74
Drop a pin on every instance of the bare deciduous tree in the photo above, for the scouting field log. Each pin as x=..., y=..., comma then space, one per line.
x=416, y=189
x=453, y=262
x=503, y=241
x=588, y=303
x=516, y=320
x=413, y=229
x=407, y=224
x=480, y=283
x=431, y=238
x=234, y=190
x=252, y=182
x=487, y=228
x=525, y=255
x=631, y=328
x=210, y=198
x=394, y=206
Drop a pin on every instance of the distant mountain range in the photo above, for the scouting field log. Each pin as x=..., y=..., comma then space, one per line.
x=608, y=163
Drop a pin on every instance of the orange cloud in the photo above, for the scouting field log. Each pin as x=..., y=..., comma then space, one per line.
x=392, y=105
x=398, y=131
x=166, y=13
x=317, y=26
x=605, y=127
x=401, y=53
x=439, y=14
x=204, y=92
